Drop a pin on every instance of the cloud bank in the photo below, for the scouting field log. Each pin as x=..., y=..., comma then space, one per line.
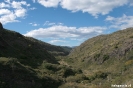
x=10, y=10
x=93, y=7
x=120, y=22
x=60, y=31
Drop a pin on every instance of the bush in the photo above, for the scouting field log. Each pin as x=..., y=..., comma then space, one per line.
x=97, y=56
x=131, y=36
x=78, y=71
x=99, y=74
x=105, y=57
x=49, y=66
x=68, y=72
x=116, y=46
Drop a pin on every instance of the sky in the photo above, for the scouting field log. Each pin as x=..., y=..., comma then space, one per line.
x=66, y=22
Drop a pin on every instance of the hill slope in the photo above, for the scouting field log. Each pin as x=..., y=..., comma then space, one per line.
x=13, y=44
x=105, y=59
x=116, y=45
x=29, y=63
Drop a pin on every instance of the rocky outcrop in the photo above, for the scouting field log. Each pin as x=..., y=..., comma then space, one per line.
x=1, y=26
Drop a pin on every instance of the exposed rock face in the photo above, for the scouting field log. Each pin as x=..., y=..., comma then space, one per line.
x=1, y=26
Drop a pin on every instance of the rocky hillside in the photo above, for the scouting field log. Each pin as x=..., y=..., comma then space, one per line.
x=105, y=59
x=99, y=49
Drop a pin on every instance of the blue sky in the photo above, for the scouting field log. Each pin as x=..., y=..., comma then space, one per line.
x=66, y=22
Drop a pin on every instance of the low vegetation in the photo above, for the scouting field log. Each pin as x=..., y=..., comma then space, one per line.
x=26, y=62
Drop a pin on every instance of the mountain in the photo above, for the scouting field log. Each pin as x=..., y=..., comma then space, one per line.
x=26, y=62
x=105, y=59
x=53, y=49
x=100, y=62
x=13, y=44
x=117, y=45
x=67, y=48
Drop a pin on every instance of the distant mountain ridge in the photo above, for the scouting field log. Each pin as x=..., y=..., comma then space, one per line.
x=53, y=49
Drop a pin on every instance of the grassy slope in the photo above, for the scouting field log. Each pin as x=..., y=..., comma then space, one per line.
x=108, y=55
x=15, y=45
x=116, y=45
x=14, y=74
x=28, y=63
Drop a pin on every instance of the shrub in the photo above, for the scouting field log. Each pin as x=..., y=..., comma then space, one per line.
x=116, y=46
x=98, y=74
x=67, y=72
x=105, y=57
x=49, y=66
x=97, y=55
x=78, y=71
x=131, y=36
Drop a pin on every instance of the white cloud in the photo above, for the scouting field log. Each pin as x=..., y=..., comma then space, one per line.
x=3, y=5
x=63, y=35
x=47, y=23
x=109, y=18
x=33, y=8
x=4, y=11
x=57, y=41
x=18, y=5
x=34, y=24
x=49, y=3
x=8, y=1
x=20, y=12
x=120, y=22
x=93, y=7
x=12, y=10
x=60, y=31
x=8, y=18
